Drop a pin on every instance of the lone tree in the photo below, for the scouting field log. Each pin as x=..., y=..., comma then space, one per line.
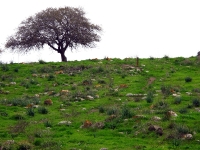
x=60, y=29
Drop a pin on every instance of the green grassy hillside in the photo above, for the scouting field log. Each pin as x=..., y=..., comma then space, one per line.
x=108, y=104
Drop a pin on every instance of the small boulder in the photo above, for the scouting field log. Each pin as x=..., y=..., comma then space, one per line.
x=157, y=129
x=90, y=97
x=65, y=123
x=156, y=118
x=129, y=95
x=187, y=136
x=48, y=102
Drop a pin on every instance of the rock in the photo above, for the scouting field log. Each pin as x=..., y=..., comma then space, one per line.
x=187, y=136
x=90, y=97
x=103, y=149
x=48, y=102
x=12, y=83
x=37, y=95
x=157, y=129
x=87, y=124
x=64, y=92
x=129, y=95
x=98, y=125
x=65, y=123
x=171, y=113
x=156, y=118
x=111, y=117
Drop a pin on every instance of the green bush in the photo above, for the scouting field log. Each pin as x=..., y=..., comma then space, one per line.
x=196, y=102
x=4, y=67
x=42, y=62
x=149, y=98
x=42, y=110
x=24, y=145
x=188, y=79
x=101, y=109
x=47, y=123
x=18, y=117
x=183, y=110
x=166, y=90
x=177, y=100
x=113, y=111
x=51, y=77
x=30, y=112
x=126, y=112
x=182, y=129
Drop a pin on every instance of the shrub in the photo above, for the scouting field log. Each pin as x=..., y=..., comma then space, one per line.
x=24, y=145
x=186, y=62
x=101, y=109
x=18, y=117
x=161, y=105
x=166, y=57
x=166, y=90
x=42, y=110
x=101, y=81
x=182, y=129
x=30, y=112
x=151, y=58
x=149, y=98
x=16, y=70
x=188, y=79
x=196, y=102
x=183, y=110
x=51, y=77
x=47, y=123
x=19, y=127
x=177, y=100
x=42, y=62
x=4, y=67
x=113, y=111
x=126, y=112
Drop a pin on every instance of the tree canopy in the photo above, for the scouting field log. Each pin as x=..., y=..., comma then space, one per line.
x=59, y=28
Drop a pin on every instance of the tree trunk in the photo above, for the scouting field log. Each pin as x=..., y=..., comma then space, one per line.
x=63, y=57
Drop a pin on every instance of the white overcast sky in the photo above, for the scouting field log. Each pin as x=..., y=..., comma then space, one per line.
x=142, y=28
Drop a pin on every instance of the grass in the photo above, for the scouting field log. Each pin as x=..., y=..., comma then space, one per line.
x=90, y=97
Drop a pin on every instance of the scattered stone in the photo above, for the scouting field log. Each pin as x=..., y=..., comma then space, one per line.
x=139, y=116
x=103, y=149
x=197, y=109
x=96, y=96
x=158, y=91
x=90, y=97
x=156, y=118
x=59, y=72
x=171, y=113
x=86, y=124
x=157, y=129
x=62, y=109
x=48, y=102
x=65, y=123
x=64, y=92
x=34, y=75
x=98, y=125
x=187, y=136
x=188, y=93
x=111, y=117
x=12, y=83
x=129, y=95
x=83, y=108
x=35, y=106
x=175, y=95
x=37, y=95
x=56, y=95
